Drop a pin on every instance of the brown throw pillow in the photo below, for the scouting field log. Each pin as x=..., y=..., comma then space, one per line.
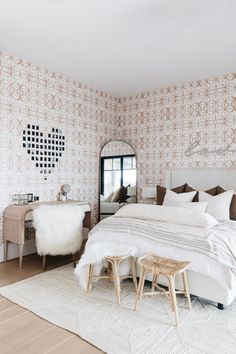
x=232, y=210
x=211, y=191
x=122, y=194
x=161, y=191
x=190, y=189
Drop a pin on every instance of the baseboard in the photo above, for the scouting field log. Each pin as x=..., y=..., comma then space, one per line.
x=29, y=247
x=13, y=252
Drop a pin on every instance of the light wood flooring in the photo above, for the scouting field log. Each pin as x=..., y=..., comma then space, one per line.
x=22, y=332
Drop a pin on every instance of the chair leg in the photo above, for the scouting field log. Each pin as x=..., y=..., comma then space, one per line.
x=90, y=277
x=21, y=247
x=44, y=262
x=133, y=270
x=5, y=250
x=140, y=288
x=116, y=278
x=74, y=260
x=173, y=297
x=186, y=289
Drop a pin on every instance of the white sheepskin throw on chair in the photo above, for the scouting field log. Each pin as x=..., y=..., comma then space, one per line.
x=95, y=253
x=58, y=229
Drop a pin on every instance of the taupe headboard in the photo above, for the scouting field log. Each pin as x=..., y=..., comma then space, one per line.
x=202, y=180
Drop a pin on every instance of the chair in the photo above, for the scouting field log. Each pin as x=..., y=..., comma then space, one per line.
x=169, y=268
x=58, y=230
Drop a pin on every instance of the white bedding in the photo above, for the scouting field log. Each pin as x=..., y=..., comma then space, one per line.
x=109, y=207
x=172, y=214
x=225, y=231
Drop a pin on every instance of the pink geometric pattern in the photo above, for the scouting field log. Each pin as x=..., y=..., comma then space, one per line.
x=87, y=117
x=116, y=148
x=159, y=125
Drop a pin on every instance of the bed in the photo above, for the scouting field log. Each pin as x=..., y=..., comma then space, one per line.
x=109, y=208
x=211, y=276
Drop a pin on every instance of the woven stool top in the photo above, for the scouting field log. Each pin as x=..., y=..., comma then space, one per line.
x=159, y=265
x=118, y=258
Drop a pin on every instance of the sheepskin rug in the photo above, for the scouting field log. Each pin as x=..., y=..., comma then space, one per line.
x=96, y=253
x=58, y=229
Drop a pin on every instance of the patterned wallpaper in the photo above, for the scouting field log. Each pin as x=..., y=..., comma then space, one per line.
x=30, y=95
x=162, y=125
x=116, y=148
x=159, y=125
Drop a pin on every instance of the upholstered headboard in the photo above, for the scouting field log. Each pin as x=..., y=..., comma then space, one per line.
x=202, y=180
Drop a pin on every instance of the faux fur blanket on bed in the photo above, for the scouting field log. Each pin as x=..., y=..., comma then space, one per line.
x=95, y=254
x=58, y=229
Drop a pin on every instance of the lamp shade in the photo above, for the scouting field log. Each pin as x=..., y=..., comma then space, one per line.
x=131, y=191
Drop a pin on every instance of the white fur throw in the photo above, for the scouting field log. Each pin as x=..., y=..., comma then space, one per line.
x=95, y=254
x=58, y=229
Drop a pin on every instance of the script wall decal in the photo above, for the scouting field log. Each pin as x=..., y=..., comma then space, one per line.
x=196, y=149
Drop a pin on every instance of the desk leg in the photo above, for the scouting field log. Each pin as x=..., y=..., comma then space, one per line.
x=5, y=250
x=20, y=255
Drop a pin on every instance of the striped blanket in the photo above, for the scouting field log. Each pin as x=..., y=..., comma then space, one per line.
x=217, y=243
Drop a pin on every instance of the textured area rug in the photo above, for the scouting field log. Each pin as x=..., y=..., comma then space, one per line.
x=56, y=297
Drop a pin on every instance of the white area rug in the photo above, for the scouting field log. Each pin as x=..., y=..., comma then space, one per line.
x=56, y=297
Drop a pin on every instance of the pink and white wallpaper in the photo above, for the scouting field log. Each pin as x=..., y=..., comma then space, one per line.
x=117, y=148
x=160, y=126
x=192, y=126
x=85, y=117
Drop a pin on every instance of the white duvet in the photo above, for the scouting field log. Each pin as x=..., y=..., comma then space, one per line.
x=136, y=232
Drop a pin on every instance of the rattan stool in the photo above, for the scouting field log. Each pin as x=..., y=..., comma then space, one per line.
x=113, y=273
x=169, y=268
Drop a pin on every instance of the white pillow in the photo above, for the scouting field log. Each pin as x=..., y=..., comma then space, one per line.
x=173, y=215
x=218, y=205
x=109, y=197
x=115, y=195
x=172, y=197
x=200, y=206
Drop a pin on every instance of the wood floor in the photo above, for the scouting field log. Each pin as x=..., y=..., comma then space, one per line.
x=22, y=332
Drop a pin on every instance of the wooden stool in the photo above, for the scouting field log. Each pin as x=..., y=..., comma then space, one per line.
x=114, y=273
x=169, y=268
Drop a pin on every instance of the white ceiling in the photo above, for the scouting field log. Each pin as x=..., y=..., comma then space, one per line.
x=123, y=47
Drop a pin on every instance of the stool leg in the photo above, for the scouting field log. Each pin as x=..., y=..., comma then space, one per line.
x=170, y=295
x=154, y=280
x=90, y=277
x=140, y=288
x=116, y=278
x=186, y=288
x=173, y=298
x=109, y=271
x=133, y=272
